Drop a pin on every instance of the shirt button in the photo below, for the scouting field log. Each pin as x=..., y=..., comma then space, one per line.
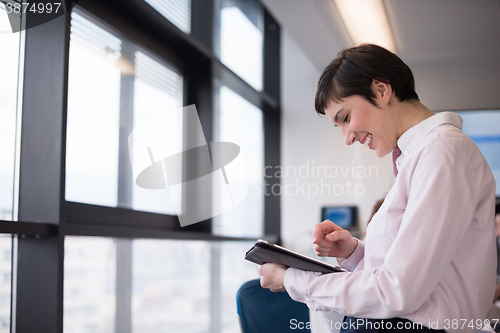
x=405, y=152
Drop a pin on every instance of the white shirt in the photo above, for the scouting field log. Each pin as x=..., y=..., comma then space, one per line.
x=430, y=253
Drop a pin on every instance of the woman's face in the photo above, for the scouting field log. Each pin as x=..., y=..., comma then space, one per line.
x=362, y=121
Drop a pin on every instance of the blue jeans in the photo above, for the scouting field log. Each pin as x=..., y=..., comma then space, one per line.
x=392, y=325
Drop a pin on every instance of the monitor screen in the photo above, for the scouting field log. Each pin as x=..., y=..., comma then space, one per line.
x=343, y=216
x=482, y=127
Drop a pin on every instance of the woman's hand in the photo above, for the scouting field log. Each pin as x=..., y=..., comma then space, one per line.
x=331, y=240
x=497, y=293
x=272, y=276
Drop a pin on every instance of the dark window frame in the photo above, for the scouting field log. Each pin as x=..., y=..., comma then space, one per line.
x=45, y=217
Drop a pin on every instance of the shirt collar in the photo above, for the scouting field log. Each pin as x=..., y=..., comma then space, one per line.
x=419, y=131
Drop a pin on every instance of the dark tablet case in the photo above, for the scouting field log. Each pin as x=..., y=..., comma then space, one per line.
x=263, y=252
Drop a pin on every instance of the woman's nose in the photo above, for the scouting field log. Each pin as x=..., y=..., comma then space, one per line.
x=349, y=137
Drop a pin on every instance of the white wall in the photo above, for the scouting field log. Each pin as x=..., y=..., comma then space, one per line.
x=311, y=142
x=470, y=82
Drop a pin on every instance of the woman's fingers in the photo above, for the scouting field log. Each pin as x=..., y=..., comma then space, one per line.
x=330, y=240
x=326, y=241
x=322, y=229
x=338, y=235
x=337, y=244
x=272, y=276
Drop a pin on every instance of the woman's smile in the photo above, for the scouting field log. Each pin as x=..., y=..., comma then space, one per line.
x=367, y=139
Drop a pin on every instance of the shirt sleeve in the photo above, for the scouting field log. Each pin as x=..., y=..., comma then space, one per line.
x=355, y=259
x=440, y=205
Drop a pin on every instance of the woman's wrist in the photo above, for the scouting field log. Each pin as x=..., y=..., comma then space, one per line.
x=354, y=249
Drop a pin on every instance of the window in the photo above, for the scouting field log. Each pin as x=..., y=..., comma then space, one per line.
x=233, y=273
x=157, y=96
x=10, y=55
x=5, y=281
x=241, y=122
x=171, y=286
x=89, y=284
x=176, y=11
x=241, y=39
x=113, y=86
x=93, y=114
x=482, y=127
x=10, y=92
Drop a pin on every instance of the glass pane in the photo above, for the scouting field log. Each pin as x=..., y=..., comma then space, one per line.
x=93, y=114
x=234, y=272
x=241, y=122
x=156, y=93
x=9, y=53
x=114, y=89
x=482, y=127
x=176, y=11
x=89, y=285
x=5, y=281
x=241, y=39
x=170, y=286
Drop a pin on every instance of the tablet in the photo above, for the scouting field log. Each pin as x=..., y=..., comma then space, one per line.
x=263, y=252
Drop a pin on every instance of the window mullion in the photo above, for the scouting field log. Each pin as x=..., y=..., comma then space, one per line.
x=123, y=285
x=39, y=280
x=126, y=126
x=215, y=287
x=123, y=318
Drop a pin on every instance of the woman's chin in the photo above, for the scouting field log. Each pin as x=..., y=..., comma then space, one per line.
x=381, y=153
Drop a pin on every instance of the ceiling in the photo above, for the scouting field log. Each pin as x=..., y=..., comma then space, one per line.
x=424, y=30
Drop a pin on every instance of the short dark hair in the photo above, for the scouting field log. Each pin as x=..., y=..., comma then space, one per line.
x=354, y=70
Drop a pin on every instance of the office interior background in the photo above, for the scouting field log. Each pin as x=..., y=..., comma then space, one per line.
x=83, y=249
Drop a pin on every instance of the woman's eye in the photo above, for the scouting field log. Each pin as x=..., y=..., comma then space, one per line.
x=347, y=118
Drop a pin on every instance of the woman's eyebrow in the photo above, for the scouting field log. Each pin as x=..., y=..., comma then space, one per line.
x=336, y=118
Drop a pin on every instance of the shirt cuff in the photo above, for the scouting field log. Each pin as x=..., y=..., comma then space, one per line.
x=352, y=262
x=296, y=283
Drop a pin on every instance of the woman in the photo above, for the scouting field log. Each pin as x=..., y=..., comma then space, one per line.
x=428, y=262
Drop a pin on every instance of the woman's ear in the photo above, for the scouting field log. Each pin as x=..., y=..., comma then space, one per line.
x=382, y=90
